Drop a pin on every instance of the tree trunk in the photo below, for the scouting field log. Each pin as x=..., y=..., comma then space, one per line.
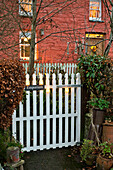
x=32, y=45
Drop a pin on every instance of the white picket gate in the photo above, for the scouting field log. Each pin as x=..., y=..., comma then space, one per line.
x=56, y=126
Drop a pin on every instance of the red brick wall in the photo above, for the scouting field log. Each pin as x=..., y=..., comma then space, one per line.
x=54, y=48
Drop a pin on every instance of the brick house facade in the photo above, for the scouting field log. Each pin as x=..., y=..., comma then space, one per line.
x=73, y=31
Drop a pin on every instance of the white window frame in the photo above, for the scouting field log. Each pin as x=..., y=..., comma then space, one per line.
x=27, y=35
x=23, y=13
x=95, y=18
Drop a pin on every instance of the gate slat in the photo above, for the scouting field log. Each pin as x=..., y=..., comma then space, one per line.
x=66, y=110
x=28, y=118
x=41, y=117
x=54, y=111
x=72, y=110
x=21, y=122
x=34, y=114
x=60, y=110
x=47, y=112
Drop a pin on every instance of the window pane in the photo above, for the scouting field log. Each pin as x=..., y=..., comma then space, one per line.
x=29, y=8
x=25, y=40
x=27, y=51
x=22, y=51
x=94, y=9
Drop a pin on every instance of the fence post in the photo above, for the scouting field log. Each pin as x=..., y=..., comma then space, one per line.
x=78, y=107
x=14, y=124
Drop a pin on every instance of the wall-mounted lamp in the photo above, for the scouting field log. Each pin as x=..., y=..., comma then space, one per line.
x=41, y=32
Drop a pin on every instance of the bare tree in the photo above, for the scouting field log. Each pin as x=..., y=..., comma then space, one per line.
x=47, y=13
x=43, y=12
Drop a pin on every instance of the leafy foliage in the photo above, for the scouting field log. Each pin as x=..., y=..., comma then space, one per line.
x=106, y=150
x=12, y=83
x=99, y=103
x=96, y=73
x=87, y=148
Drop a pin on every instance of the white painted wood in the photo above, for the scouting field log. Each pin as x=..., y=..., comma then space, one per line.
x=14, y=124
x=34, y=113
x=67, y=69
x=37, y=68
x=78, y=107
x=70, y=69
x=28, y=120
x=41, y=116
x=72, y=108
x=64, y=67
x=66, y=111
x=21, y=122
x=60, y=110
x=54, y=110
x=47, y=112
x=46, y=67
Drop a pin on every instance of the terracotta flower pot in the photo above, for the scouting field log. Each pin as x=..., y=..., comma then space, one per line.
x=12, y=154
x=107, y=132
x=103, y=163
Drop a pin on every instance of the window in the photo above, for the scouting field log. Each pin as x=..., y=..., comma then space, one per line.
x=25, y=45
x=25, y=7
x=95, y=39
x=25, y=41
x=95, y=10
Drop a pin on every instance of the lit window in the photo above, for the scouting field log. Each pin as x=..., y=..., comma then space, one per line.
x=25, y=40
x=95, y=40
x=95, y=10
x=25, y=7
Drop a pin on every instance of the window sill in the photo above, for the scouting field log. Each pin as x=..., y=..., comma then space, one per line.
x=25, y=15
x=95, y=20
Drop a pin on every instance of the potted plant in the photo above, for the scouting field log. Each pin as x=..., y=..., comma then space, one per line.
x=88, y=152
x=14, y=151
x=105, y=158
x=10, y=149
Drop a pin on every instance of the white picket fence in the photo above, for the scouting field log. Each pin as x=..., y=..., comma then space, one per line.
x=57, y=125
x=68, y=68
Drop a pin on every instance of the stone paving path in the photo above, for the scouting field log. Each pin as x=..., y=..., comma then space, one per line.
x=57, y=159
